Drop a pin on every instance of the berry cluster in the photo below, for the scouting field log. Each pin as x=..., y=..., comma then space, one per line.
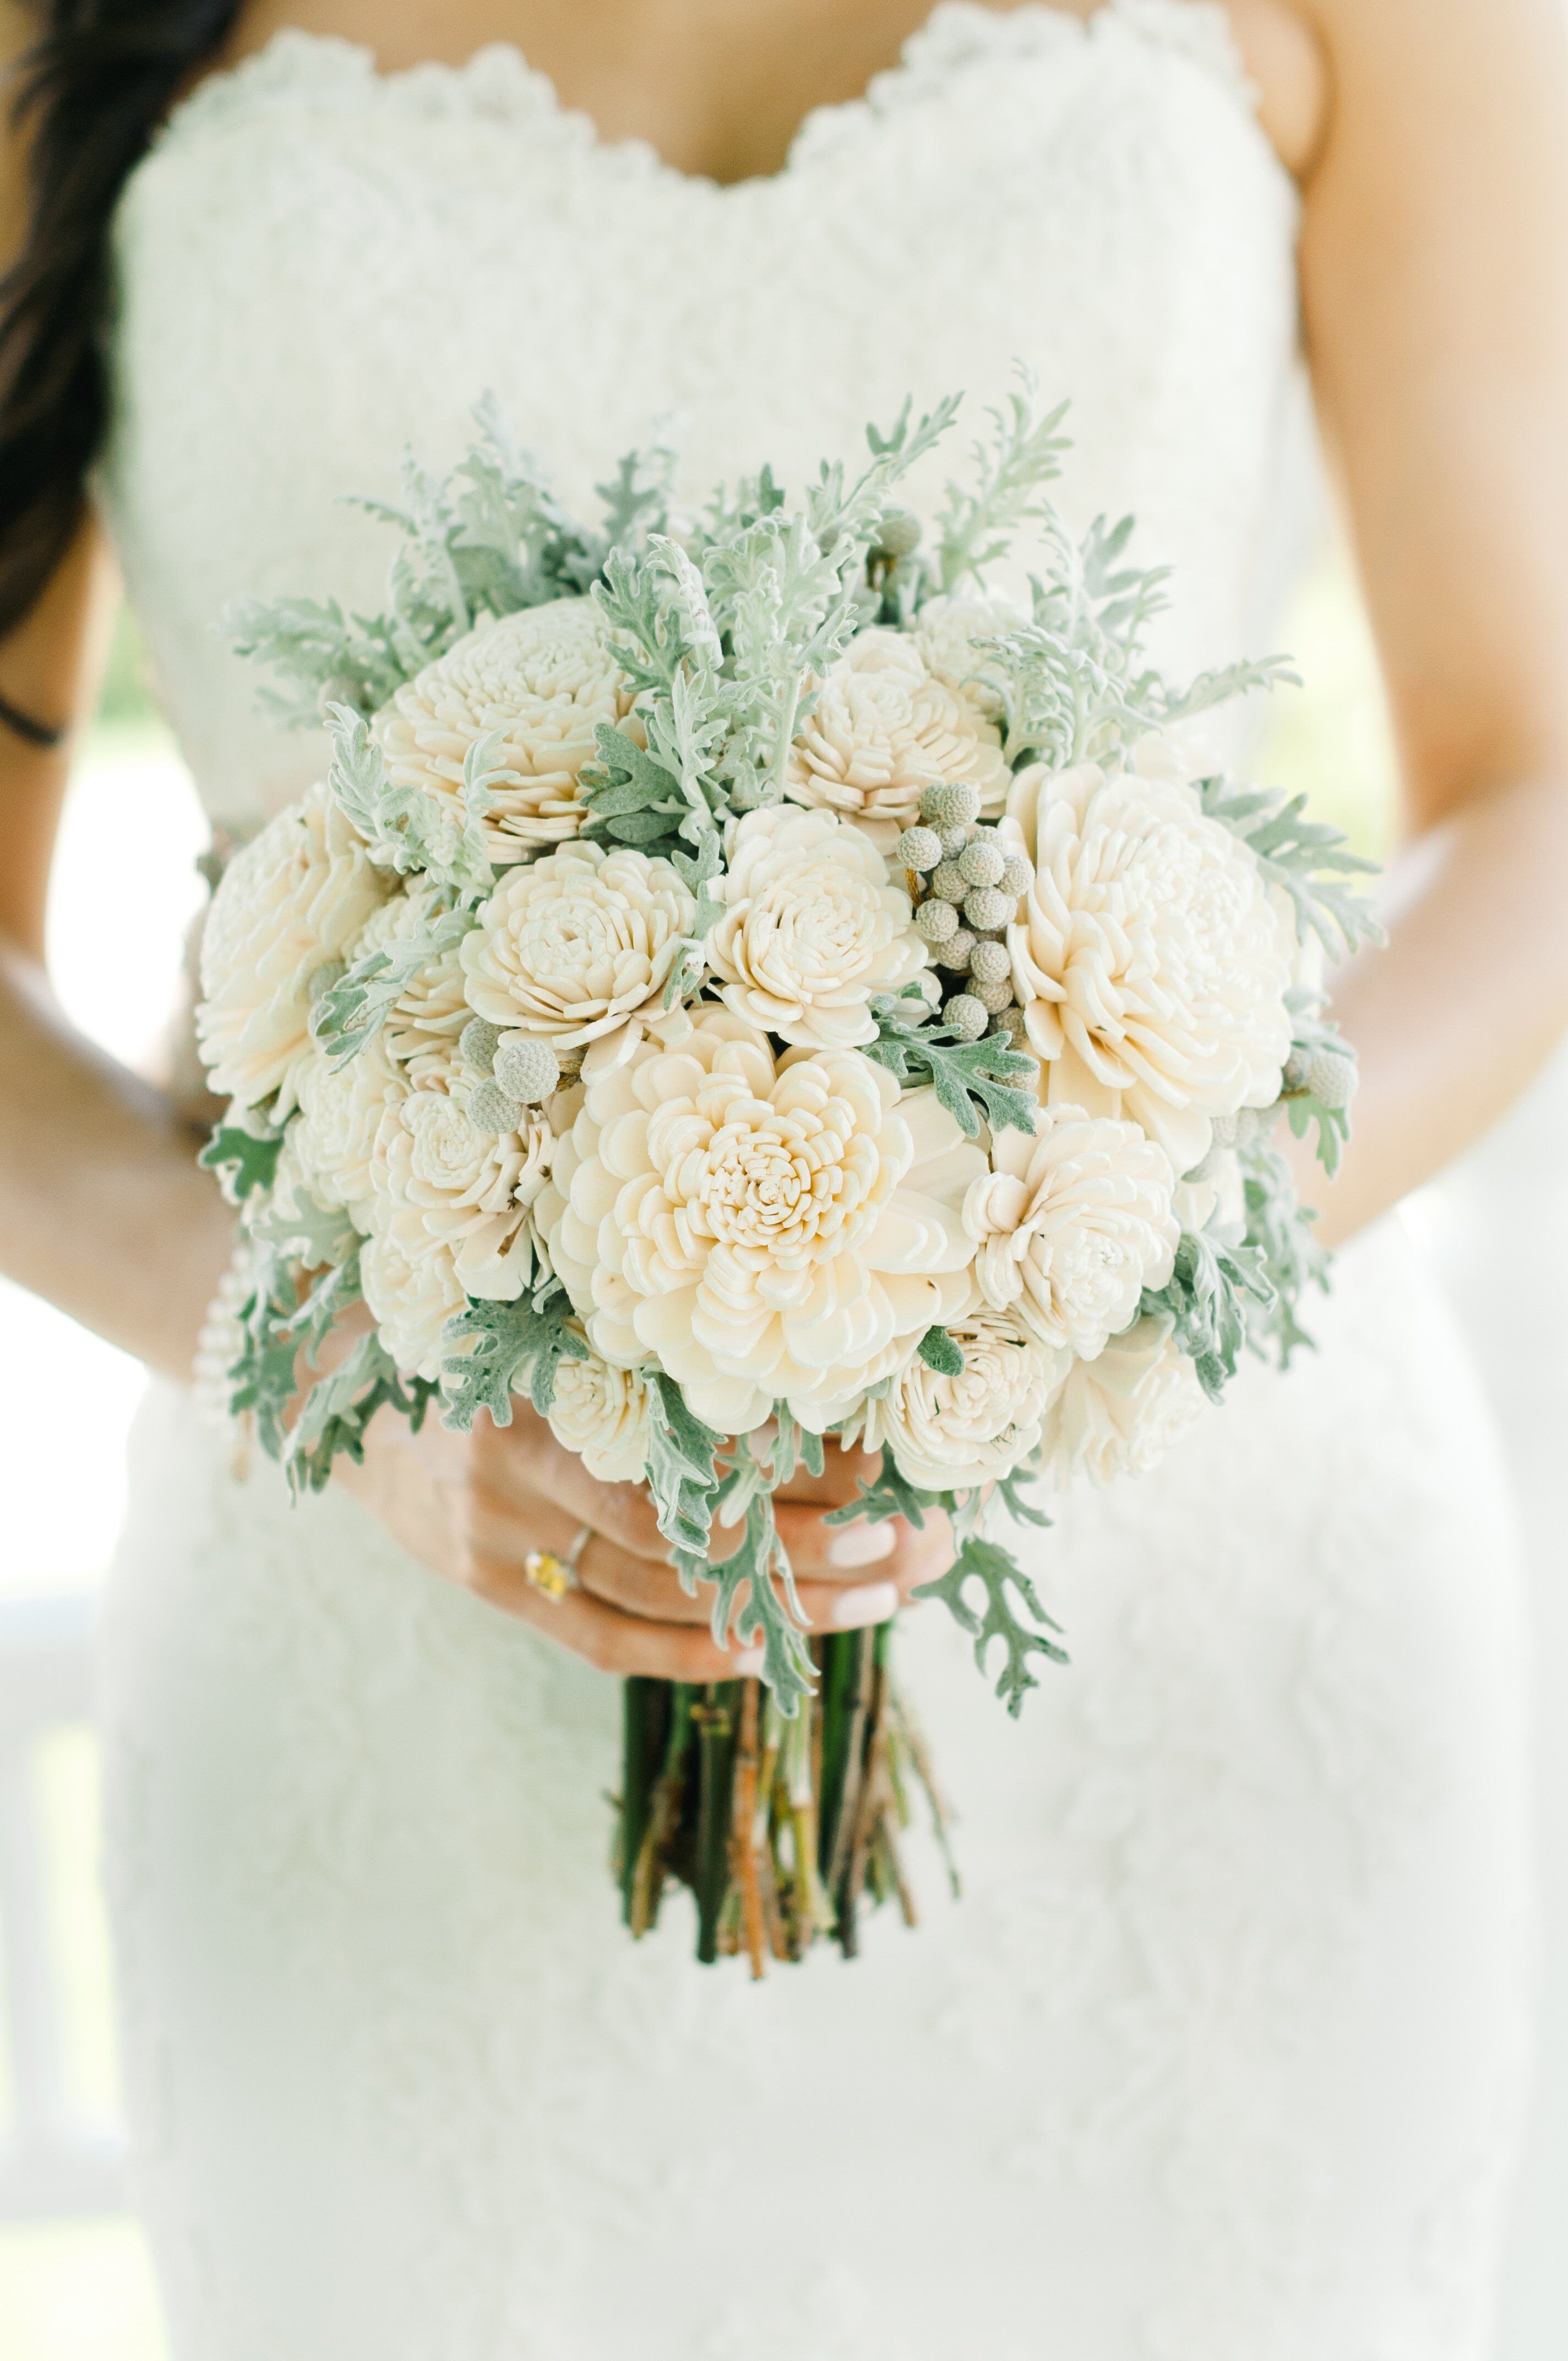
x=520, y=1070
x=965, y=890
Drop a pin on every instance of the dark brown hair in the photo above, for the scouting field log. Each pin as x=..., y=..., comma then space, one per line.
x=91, y=91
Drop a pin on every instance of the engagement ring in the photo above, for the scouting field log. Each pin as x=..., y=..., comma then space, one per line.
x=554, y=1577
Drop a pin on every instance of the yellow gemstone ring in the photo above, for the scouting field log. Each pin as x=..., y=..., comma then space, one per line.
x=553, y=1576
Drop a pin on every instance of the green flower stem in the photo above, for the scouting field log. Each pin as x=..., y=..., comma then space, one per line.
x=645, y=1866
x=715, y=1726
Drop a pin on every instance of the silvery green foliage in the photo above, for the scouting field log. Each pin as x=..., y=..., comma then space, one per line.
x=410, y=832
x=1315, y=1036
x=1011, y=469
x=1003, y=1585
x=1307, y=859
x=1213, y=1290
x=407, y=830
x=976, y=1081
x=1279, y=1234
x=353, y=1009
x=489, y=539
x=501, y=1346
x=721, y=643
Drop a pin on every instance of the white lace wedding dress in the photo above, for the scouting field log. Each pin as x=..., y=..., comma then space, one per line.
x=1219, y=2059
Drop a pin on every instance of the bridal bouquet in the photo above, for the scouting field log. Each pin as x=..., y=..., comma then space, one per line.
x=743, y=983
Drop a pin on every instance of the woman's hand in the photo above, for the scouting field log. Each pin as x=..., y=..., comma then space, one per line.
x=473, y=1508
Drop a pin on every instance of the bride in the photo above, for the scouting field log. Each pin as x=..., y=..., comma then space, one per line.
x=1220, y=2058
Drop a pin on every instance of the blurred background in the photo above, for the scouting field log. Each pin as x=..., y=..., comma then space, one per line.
x=75, y=2283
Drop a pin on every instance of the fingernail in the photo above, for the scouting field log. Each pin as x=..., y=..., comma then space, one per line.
x=749, y=1664
x=874, y=1602
x=862, y=1545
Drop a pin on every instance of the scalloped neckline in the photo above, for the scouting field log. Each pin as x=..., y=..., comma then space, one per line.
x=291, y=44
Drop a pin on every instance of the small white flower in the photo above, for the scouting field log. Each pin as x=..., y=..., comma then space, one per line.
x=545, y=678
x=467, y=1191
x=601, y=1413
x=883, y=728
x=946, y=636
x=288, y=905
x=1120, y=1413
x=340, y=1114
x=1149, y=958
x=412, y=1291
x=812, y=927
x=431, y=1010
x=772, y=1230
x=955, y=1433
x=1072, y=1225
x=578, y=948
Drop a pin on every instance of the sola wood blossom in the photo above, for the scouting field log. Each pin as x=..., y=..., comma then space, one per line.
x=772, y=1230
x=1072, y=1225
x=448, y=1217
x=428, y=1013
x=811, y=929
x=949, y=1434
x=883, y=728
x=601, y=1412
x=545, y=678
x=946, y=636
x=1148, y=956
x=578, y=948
x=1120, y=1413
x=340, y=1114
x=292, y=901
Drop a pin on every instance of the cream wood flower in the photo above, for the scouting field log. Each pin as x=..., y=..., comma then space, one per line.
x=601, y=1413
x=546, y=678
x=1072, y=1225
x=438, y=1185
x=771, y=1231
x=811, y=929
x=1120, y=1413
x=288, y=905
x=577, y=949
x=431, y=1012
x=883, y=728
x=953, y=1433
x=1148, y=956
x=411, y=1290
x=946, y=636
x=334, y=1136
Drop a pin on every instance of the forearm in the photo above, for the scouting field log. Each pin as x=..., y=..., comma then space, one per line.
x=102, y=1208
x=1457, y=1016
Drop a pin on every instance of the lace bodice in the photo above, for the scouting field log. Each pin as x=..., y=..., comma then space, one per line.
x=319, y=265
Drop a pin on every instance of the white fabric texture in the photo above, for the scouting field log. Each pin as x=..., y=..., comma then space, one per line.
x=1219, y=2056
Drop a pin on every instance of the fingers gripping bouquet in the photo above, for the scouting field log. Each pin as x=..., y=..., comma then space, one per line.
x=747, y=983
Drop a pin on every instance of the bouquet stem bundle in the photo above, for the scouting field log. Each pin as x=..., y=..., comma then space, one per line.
x=781, y=1829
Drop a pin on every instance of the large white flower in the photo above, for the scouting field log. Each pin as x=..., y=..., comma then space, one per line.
x=1072, y=1225
x=578, y=948
x=545, y=678
x=953, y=1433
x=811, y=929
x=340, y=1114
x=947, y=634
x=1148, y=956
x=601, y=1413
x=883, y=728
x=1120, y=1413
x=771, y=1231
x=287, y=906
